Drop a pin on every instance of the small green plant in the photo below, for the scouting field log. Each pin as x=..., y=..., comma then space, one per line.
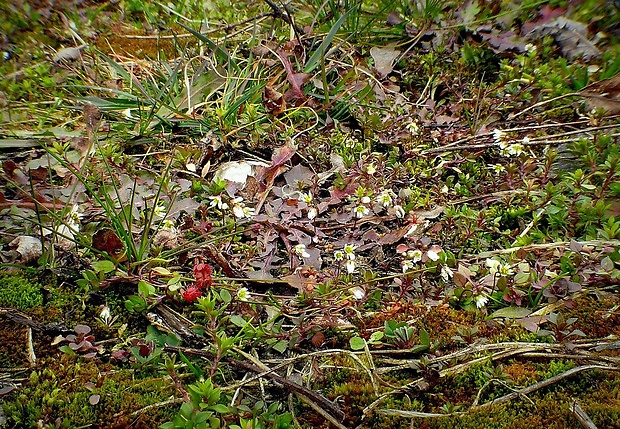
x=561, y=328
x=203, y=409
x=402, y=335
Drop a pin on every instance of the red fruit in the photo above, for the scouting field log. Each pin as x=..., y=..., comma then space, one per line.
x=202, y=274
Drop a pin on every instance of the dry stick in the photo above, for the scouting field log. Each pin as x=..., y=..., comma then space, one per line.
x=536, y=386
x=157, y=405
x=542, y=103
x=506, y=350
x=279, y=13
x=536, y=141
x=582, y=416
x=529, y=247
x=503, y=399
x=318, y=402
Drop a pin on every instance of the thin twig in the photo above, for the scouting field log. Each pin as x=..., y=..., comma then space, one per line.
x=582, y=416
x=544, y=383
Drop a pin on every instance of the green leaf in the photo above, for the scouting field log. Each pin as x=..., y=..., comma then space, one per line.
x=322, y=50
x=225, y=295
x=607, y=264
x=281, y=346
x=425, y=338
x=220, y=408
x=238, y=321
x=162, y=271
x=511, y=312
x=67, y=350
x=376, y=337
x=104, y=266
x=357, y=343
x=135, y=304
x=145, y=289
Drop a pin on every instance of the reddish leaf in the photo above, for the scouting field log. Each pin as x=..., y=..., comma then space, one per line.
x=318, y=339
x=106, y=240
x=81, y=329
x=295, y=79
x=14, y=172
x=280, y=156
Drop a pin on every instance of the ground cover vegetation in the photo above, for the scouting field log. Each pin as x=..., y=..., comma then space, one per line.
x=309, y=214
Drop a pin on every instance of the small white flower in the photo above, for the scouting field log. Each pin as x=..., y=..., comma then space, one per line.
x=248, y=212
x=105, y=313
x=446, y=273
x=530, y=48
x=243, y=294
x=481, y=300
x=73, y=218
x=515, y=149
x=385, y=198
x=499, y=136
x=498, y=168
x=240, y=210
x=349, y=142
x=416, y=255
x=349, y=251
x=338, y=255
x=432, y=255
x=407, y=265
x=300, y=250
x=191, y=167
x=306, y=198
x=526, y=140
x=361, y=211
x=412, y=127
x=159, y=211
x=365, y=199
x=357, y=292
x=312, y=212
x=350, y=266
x=216, y=201
x=371, y=169
x=505, y=270
x=399, y=211
x=168, y=225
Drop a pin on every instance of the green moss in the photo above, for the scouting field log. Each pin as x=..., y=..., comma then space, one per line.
x=59, y=395
x=19, y=292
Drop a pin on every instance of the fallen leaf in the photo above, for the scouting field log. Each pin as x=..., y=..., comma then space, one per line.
x=572, y=36
x=273, y=101
x=604, y=94
x=67, y=55
x=384, y=59
x=106, y=240
x=29, y=248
